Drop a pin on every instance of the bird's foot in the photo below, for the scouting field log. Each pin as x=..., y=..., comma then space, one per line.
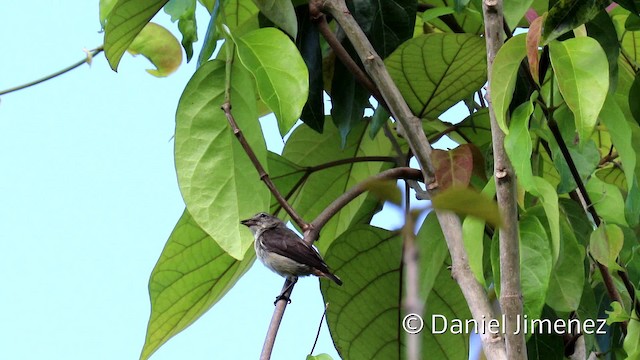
x=282, y=297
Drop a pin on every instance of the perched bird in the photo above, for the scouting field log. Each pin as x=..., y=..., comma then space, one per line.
x=284, y=252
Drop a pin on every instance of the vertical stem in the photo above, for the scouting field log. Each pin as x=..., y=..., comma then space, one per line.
x=474, y=293
x=410, y=259
x=510, y=292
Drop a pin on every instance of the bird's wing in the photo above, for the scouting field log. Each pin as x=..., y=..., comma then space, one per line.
x=285, y=242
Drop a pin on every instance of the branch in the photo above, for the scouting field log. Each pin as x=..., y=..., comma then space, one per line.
x=378, y=72
x=276, y=319
x=506, y=191
x=226, y=107
x=355, y=191
x=411, y=266
x=87, y=59
x=341, y=53
x=473, y=292
x=312, y=233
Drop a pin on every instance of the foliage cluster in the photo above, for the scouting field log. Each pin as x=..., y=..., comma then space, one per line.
x=565, y=92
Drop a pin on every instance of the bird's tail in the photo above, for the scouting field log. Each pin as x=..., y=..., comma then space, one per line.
x=333, y=277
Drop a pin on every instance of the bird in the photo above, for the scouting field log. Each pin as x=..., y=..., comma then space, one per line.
x=284, y=252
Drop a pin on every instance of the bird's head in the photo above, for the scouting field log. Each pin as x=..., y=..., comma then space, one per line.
x=261, y=220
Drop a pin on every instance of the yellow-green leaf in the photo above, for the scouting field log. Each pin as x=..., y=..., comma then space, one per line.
x=159, y=46
x=468, y=202
x=191, y=275
x=126, y=19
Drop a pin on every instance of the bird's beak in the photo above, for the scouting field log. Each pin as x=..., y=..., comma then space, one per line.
x=247, y=222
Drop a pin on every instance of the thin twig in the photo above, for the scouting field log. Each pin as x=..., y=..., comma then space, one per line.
x=344, y=57
x=90, y=55
x=226, y=107
x=609, y=285
x=324, y=313
x=355, y=191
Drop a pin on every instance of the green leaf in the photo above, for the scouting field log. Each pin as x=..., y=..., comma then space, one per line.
x=210, y=38
x=185, y=12
x=617, y=313
x=567, y=15
x=506, y=64
x=622, y=138
x=348, y=101
x=308, y=41
x=433, y=252
x=388, y=23
x=159, y=46
x=631, y=343
x=284, y=174
x=586, y=158
x=434, y=72
x=191, y=275
x=240, y=15
x=307, y=148
x=603, y=30
x=473, y=237
x=535, y=265
x=125, y=21
x=475, y=128
x=436, y=12
x=445, y=302
x=514, y=10
x=468, y=202
x=607, y=200
x=364, y=316
x=364, y=313
x=567, y=278
x=282, y=13
x=605, y=245
x=105, y=9
x=280, y=73
x=517, y=144
x=319, y=357
x=379, y=118
x=577, y=219
x=218, y=182
x=549, y=199
x=582, y=71
x=384, y=190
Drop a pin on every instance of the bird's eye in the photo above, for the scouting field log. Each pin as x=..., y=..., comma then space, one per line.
x=263, y=215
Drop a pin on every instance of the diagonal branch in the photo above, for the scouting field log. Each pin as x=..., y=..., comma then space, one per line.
x=311, y=231
x=226, y=107
x=473, y=292
x=90, y=55
x=506, y=192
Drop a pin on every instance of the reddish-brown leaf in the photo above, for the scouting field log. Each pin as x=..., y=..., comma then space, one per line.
x=453, y=167
x=533, y=40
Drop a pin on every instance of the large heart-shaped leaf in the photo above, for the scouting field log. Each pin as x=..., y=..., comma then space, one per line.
x=192, y=274
x=434, y=72
x=365, y=314
x=218, y=182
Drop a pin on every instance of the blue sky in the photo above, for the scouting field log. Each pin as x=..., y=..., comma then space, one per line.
x=88, y=197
